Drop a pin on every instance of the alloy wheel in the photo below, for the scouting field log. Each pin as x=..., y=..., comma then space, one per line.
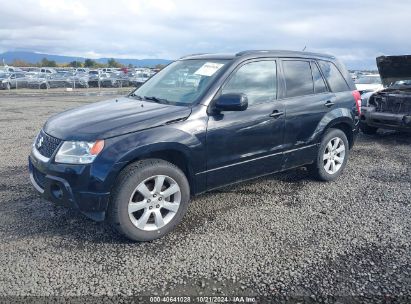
x=154, y=202
x=334, y=155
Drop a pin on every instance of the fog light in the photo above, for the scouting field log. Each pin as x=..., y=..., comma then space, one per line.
x=56, y=191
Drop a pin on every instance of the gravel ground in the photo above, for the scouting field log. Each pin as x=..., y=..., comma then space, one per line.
x=346, y=238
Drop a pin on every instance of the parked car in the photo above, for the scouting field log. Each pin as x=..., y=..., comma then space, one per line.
x=389, y=108
x=368, y=83
x=5, y=80
x=94, y=78
x=78, y=80
x=51, y=80
x=48, y=70
x=139, y=77
x=13, y=80
x=10, y=69
x=138, y=159
x=114, y=80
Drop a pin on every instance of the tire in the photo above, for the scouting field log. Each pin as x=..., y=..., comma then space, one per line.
x=368, y=130
x=44, y=86
x=337, y=154
x=137, y=216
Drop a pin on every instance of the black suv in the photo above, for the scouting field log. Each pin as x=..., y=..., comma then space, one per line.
x=203, y=122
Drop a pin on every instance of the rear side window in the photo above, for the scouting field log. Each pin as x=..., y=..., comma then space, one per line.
x=334, y=78
x=319, y=84
x=298, y=79
x=258, y=80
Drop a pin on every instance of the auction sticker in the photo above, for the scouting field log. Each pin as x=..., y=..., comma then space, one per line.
x=208, y=69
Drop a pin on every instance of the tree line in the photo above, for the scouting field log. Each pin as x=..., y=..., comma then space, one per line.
x=88, y=63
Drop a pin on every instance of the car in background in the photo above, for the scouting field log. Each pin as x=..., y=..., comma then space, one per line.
x=47, y=71
x=389, y=108
x=13, y=80
x=47, y=81
x=81, y=70
x=94, y=78
x=4, y=80
x=368, y=83
x=139, y=77
x=10, y=69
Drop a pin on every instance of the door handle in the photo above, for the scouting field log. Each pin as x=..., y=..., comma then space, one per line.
x=276, y=114
x=329, y=104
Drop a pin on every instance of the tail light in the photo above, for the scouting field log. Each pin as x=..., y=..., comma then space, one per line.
x=357, y=98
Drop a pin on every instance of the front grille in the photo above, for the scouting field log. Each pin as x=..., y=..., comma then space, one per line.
x=39, y=177
x=46, y=144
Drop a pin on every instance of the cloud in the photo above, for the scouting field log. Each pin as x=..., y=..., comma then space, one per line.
x=355, y=31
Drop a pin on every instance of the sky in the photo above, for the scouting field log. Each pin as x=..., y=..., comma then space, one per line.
x=355, y=31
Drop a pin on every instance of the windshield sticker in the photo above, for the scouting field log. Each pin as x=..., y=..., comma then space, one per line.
x=208, y=69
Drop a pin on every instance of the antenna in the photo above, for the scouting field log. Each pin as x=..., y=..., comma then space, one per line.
x=304, y=48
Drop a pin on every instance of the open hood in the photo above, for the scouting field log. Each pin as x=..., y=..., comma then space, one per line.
x=394, y=68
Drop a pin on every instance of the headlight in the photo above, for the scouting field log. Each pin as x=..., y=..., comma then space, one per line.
x=79, y=152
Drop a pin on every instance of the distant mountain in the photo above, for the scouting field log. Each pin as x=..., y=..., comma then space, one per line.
x=32, y=57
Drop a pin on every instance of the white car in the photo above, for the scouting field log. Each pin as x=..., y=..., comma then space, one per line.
x=368, y=83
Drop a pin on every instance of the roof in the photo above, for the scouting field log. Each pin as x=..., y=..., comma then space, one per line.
x=259, y=54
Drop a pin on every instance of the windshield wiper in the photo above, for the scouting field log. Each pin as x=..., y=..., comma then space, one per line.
x=156, y=99
x=136, y=96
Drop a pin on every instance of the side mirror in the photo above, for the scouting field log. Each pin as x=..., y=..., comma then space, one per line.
x=231, y=102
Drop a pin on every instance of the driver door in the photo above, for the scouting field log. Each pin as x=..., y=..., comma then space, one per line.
x=246, y=144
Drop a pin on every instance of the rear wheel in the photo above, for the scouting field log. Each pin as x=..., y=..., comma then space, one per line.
x=332, y=156
x=368, y=130
x=150, y=199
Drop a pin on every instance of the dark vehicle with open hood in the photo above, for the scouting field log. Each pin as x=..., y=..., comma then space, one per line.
x=137, y=160
x=389, y=108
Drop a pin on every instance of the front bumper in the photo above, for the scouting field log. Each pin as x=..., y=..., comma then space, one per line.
x=66, y=185
x=401, y=122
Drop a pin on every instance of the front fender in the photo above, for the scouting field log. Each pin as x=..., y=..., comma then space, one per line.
x=122, y=150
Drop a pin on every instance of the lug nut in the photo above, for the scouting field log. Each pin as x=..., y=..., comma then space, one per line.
x=160, y=198
x=154, y=195
x=158, y=206
x=149, y=200
x=151, y=207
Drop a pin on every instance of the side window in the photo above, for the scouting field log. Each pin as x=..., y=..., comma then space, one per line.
x=319, y=84
x=334, y=78
x=258, y=80
x=298, y=79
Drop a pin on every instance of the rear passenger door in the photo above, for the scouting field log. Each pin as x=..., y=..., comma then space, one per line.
x=307, y=99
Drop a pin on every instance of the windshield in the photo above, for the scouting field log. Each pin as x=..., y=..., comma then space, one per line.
x=182, y=82
x=368, y=80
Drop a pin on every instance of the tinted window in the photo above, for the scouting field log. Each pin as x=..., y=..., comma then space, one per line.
x=298, y=79
x=257, y=80
x=334, y=78
x=319, y=84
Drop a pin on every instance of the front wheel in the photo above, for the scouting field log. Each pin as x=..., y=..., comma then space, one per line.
x=149, y=200
x=332, y=156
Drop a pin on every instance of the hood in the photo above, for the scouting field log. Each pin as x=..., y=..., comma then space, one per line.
x=394, y=68
x=111, y=118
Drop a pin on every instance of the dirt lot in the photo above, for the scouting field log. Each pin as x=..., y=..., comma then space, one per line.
x=283, y=235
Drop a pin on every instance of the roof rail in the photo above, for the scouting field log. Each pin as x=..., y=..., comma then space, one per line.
x=250, y=52
x=195, y=54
